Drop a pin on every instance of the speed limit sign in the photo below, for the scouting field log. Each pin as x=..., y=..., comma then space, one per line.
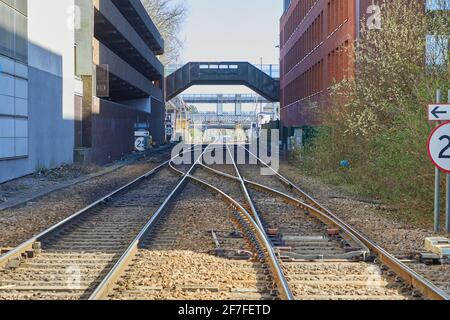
x=139, y=144
x=439, y=147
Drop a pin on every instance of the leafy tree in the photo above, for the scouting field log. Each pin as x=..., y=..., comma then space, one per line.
x=376, y=119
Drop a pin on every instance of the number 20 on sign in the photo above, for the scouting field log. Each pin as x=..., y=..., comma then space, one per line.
x=439, y=147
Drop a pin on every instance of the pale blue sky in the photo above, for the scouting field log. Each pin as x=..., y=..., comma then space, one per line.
x=244, y=30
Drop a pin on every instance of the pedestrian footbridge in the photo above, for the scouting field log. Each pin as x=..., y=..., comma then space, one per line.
x=222, y=73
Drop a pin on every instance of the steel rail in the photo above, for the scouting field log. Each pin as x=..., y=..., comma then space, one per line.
x=264, y=242
x=244, y=190
x=428, y=289
x=324, y=218
x=28, y=245
x=102, y=290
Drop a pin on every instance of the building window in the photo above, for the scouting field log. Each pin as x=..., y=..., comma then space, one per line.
x=13, y=29
x=438, y=5
x=13, y=79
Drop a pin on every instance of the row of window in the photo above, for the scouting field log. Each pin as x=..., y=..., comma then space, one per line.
x=219, y=66
x=13, y=29
x=13, y=83
x=307, y=84
x=337, y=13
x=310, y=39
x=339, y=67
x=301, y=10
x=13, y=116
x=313, y=80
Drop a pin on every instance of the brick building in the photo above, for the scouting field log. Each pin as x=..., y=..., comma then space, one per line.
x=314, y=36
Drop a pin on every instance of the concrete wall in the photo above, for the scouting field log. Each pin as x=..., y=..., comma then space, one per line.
x=83, y=35
x=112, y=132
x=157, y=121
x=51, y=88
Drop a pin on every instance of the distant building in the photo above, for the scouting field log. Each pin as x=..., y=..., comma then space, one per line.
x=116, y=57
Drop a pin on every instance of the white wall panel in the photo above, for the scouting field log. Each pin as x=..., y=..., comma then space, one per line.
x=21, y=87
x=21, y=128
x=6, y=85
x=7, y=148
x=21, y=147
x=21, y=107
x=6, y=105
x=6, y=128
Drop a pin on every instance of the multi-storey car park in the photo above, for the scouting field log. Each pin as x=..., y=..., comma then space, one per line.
x=59, y=105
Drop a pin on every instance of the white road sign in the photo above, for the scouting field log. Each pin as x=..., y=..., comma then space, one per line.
x=139, y=144
x=439, y=147
x=145, y=134
x=439, y=112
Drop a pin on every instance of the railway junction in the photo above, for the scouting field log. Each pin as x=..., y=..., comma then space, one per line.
x=152, y=198
x=212, y=232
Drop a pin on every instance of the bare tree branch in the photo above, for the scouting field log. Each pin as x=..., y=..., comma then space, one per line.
x=168, y=16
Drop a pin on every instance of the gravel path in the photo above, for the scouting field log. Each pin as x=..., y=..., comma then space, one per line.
x=20, y=224
x=45, y=180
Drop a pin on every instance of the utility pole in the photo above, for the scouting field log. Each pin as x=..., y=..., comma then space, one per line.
x=447, y=205
x=262, y=107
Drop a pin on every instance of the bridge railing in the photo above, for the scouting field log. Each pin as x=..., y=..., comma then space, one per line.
x=222, y=73
x=222, y=119
x=272, y=70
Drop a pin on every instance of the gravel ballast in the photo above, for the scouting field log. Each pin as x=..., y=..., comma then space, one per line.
x=21, y=223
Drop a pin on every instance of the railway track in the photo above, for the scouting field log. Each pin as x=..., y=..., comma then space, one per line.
x=431, y=282
x=69, y=260
x=312, y=239
x=165, y=235
x=195, y=253
x=439, y=275
x=318, y=262
x=206, y=232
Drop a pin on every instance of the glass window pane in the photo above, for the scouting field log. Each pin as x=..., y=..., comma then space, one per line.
x=21, y=6
x=21, y=37
x=6, y=29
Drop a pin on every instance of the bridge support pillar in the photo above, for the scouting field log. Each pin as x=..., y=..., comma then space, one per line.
x=238, y=106
x=220, y=105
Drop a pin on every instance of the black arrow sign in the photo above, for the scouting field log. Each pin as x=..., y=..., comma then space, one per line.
x=436, y=112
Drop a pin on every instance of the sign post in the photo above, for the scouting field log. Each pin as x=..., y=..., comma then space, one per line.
x=439, y=152
x=447, y=207
x=437, y=179
x=141, y=137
